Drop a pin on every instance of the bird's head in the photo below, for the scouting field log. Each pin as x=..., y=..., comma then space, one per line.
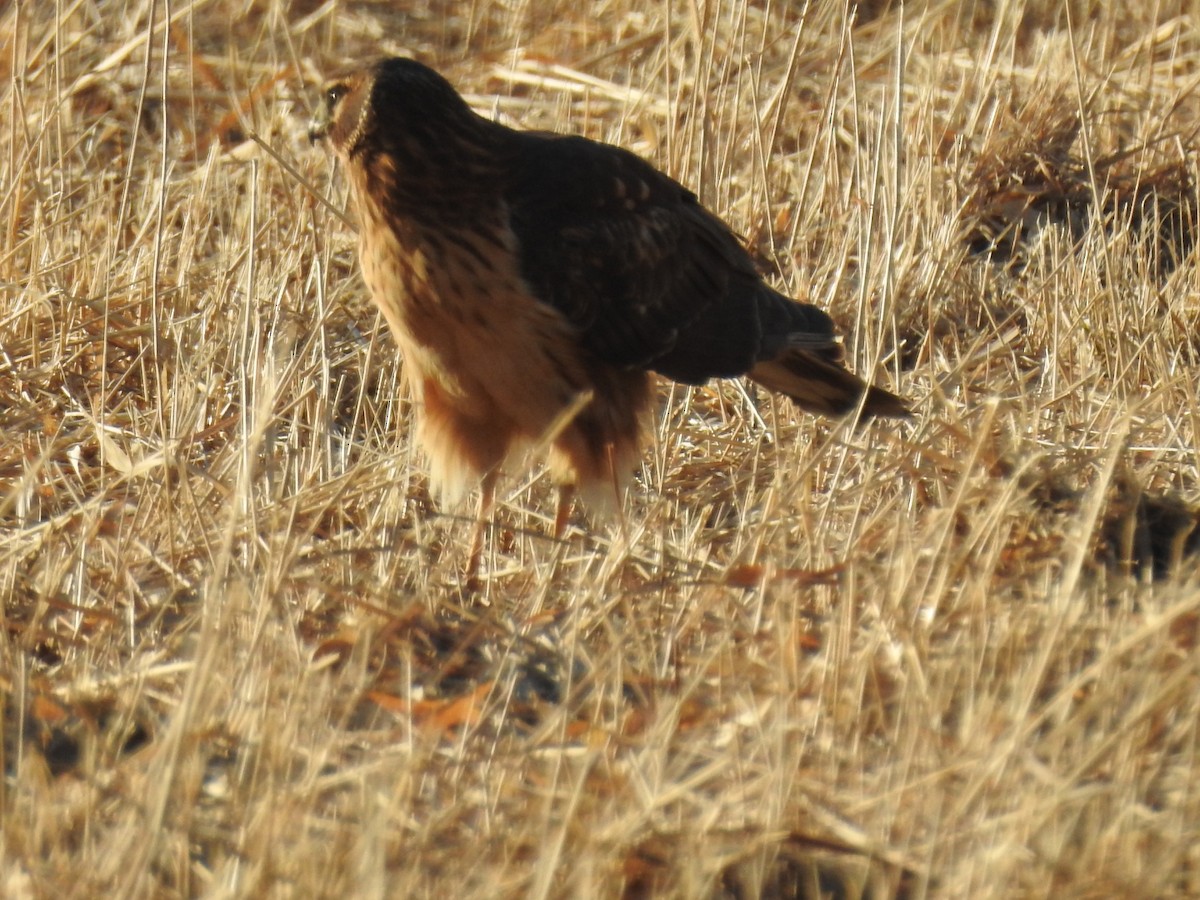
x=343, y=112
x=391, y=102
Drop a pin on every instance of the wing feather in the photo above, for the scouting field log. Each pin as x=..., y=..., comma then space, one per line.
x=628, y=255
x=651, y=279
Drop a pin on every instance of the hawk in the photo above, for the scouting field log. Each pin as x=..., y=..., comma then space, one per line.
x=534, y=281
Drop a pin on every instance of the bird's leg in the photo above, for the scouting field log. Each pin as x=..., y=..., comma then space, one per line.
x=487, y=500
x=566, y=495
x=615, y=481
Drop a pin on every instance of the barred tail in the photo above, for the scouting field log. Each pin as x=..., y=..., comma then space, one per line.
x=819, y=384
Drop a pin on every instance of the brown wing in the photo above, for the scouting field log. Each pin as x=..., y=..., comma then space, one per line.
x=647, y=275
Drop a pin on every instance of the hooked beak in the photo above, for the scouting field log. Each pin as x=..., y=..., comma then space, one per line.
x=318, y=126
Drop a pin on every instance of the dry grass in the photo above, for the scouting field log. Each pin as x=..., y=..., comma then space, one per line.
x=957, y=658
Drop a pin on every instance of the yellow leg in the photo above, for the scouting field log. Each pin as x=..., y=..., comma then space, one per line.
x=566, y=495
x=487, y=500
x=614, y=481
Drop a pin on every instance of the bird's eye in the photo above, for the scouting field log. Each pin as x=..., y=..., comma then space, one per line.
x=334, y=94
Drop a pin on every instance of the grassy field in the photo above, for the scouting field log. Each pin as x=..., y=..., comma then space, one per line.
x=955, y=657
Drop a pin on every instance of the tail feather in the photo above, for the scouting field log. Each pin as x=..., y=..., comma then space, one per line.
x=818, y=383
